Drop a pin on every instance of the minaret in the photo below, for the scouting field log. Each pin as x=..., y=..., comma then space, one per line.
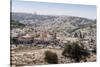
x=35, y=13
x=43, y=33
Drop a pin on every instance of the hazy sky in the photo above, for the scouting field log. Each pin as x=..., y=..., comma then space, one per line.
x=88, y=11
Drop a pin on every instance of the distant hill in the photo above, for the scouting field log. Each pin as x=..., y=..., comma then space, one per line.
x=60, y=24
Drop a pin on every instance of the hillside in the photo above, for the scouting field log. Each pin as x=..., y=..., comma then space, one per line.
x=62, y=24
x=16, y=24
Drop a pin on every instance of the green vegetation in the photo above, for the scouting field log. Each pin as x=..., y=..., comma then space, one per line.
x=13, y=40
x=16, y=24
x=75, y=51
x=51, y=57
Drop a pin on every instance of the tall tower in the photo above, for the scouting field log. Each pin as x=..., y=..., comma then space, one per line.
x=35, y=13
x=43, y=34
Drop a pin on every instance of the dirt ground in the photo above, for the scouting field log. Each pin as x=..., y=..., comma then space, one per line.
x=30, y=57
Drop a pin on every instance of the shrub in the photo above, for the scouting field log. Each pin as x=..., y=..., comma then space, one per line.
x=74, y=51
x=67, y=48
x=51, y=57
x=13, y=40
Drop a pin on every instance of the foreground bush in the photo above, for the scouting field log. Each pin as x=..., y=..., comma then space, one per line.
x=51, y=57
x=75, y=51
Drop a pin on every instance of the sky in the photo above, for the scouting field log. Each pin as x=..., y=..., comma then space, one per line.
x=43, y=8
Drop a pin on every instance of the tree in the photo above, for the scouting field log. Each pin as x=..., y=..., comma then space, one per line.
x=74, y=51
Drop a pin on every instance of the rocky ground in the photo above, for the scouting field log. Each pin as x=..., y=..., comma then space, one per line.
x=32, y=56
